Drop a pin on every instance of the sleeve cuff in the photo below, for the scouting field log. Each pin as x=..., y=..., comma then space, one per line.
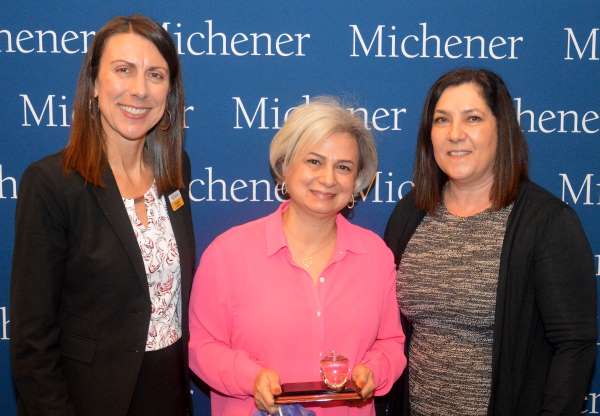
x=246, y=370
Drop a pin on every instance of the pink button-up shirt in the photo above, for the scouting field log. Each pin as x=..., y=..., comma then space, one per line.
x=252, y=307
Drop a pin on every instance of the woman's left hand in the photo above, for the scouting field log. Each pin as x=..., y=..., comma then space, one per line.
x=266, y=386
x=364, y=380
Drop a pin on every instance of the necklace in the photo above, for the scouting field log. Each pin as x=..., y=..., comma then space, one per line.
x=307, y=261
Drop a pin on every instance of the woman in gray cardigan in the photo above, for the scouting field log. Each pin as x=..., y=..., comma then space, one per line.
x=495, y=275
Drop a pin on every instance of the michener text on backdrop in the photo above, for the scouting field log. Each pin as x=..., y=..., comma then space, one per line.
x=246, y=65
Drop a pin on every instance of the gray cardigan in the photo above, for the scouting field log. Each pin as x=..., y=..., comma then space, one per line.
x=545, y=324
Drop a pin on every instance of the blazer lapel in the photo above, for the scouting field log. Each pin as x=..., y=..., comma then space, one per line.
x=111, y=203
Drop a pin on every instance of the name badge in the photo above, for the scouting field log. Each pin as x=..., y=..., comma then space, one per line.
x=176, y=200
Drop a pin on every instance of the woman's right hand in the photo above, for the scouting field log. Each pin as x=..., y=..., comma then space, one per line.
x=266, y=386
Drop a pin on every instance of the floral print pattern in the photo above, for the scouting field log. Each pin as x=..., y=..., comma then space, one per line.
x=161, y=260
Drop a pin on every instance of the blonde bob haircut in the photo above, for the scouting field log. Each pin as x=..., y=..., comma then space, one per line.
x=310, y=123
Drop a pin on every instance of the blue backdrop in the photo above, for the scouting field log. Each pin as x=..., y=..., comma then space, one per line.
x=246, y=63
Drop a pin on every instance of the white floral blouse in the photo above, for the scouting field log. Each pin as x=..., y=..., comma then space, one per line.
x=161, y=261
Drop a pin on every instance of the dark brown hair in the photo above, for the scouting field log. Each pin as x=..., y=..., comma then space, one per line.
x=510, y=165
x=85, y=153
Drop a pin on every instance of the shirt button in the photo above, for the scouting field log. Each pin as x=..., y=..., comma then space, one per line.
x=318, y=314
x=322, y=279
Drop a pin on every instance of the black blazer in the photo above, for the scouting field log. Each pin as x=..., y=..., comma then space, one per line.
x=80, y=305
x=545, y=320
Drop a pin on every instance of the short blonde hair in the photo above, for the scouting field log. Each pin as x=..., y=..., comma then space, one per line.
x=309, y=124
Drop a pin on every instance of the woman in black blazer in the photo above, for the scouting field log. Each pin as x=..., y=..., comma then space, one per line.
x=104, y=247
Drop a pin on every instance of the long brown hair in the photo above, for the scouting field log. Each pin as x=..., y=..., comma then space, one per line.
x=85, y=153
x=510, y=165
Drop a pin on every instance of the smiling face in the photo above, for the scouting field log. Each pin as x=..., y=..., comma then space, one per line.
x=320, y=180
x=131, y=87
x=464, y=136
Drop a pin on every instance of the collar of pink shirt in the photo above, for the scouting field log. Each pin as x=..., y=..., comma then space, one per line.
x=347, y=238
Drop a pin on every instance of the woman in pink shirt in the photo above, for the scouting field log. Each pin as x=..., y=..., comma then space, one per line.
x=273, y=295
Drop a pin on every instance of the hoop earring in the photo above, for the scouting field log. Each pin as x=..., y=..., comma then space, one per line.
x=352, y=203
x=92, y=104
x=282, y=189
x=168, y=126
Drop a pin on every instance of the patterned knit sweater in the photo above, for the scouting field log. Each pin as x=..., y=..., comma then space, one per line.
x=447, y=289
